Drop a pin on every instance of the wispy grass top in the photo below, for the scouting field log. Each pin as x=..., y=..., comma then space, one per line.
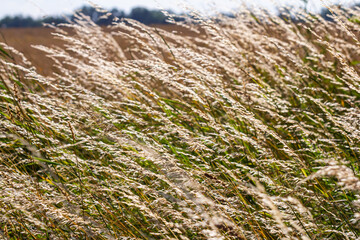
x=247, y=129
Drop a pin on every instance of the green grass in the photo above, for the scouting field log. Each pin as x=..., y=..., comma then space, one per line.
x=248, y=131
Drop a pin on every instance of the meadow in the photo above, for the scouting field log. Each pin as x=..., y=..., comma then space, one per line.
x=242, y=127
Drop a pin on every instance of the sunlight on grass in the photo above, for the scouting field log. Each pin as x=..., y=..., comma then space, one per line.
x=247, y=128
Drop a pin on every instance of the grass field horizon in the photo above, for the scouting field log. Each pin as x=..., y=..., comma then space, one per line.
x=228, y=128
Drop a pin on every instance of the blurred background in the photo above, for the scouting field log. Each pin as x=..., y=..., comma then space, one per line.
x=45, y=8
x=21, y=21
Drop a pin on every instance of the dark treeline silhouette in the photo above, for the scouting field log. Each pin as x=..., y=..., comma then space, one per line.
x=327, y=15
x=21, y=21
x=140, y=14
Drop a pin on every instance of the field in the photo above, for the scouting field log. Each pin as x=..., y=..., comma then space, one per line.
x=22, y=40
x=227, y=128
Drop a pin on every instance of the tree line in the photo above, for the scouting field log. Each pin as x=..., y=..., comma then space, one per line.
x=140, y=14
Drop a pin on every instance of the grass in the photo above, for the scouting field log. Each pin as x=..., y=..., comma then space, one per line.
x=248, y=129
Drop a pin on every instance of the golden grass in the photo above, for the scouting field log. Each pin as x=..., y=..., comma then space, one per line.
x=248, y=129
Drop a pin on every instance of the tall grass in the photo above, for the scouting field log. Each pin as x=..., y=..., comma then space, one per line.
x=247, y=128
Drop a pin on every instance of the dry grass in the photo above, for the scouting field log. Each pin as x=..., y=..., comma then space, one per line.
x=22, y=39
x=249, y=130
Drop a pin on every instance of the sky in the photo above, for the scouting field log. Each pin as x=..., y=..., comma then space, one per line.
x=43, y=8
